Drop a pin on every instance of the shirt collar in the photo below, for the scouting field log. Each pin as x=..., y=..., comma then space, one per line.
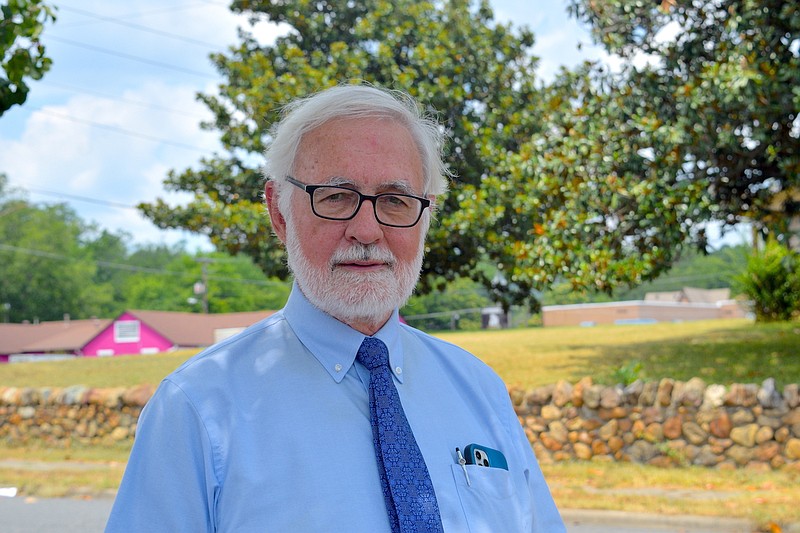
x=332, y=342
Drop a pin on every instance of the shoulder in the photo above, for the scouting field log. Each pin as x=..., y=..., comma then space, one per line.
x=234, y=354
x=454, y=359
x=435, y=343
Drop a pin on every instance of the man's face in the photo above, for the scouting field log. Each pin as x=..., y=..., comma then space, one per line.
x=356, y=270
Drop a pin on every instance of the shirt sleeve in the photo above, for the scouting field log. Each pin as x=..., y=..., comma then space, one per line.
x=169, y=483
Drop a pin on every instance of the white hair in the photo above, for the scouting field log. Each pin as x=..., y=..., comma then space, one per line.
x=354, y=101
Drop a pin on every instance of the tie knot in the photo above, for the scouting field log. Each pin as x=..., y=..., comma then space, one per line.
x=372, y=353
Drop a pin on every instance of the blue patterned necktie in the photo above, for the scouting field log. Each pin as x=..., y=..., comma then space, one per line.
x=407, y=487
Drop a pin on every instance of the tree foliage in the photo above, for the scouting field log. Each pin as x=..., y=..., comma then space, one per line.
x=458, y=306
x=22, y=54
x=581, y=200
x=598, y=179
x=772, y=282
x=52, y=264
x=718, y=102
x=451, y=56
x=43, y=268
x=233, y=285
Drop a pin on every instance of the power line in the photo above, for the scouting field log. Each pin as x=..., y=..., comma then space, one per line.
x=132, y=57
x=138, y=14
x=440, y=314
x=140, y=27
x=117, y=129
x=135, y=268
x=110, y=96
x=76, y=197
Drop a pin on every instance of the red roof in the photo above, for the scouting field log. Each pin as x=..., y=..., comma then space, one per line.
x=70, y=336
x=60, y=336
x=193, y=329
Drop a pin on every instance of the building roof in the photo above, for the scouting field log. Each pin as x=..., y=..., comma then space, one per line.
x=709, y=296
x=663, y=296
x=690, y=295
x=57, y=336
x=193, y=329
x=70, y=336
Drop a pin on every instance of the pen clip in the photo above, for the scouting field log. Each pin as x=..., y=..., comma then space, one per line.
x=463, y=463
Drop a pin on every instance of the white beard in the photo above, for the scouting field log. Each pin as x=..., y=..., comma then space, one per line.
x=350, y=296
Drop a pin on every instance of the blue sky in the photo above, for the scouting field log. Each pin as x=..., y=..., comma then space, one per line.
x=117, y=110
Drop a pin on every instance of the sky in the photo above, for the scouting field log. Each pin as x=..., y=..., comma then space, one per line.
x=117, y=111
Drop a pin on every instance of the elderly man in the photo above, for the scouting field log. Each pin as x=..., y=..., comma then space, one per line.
x=332, y=415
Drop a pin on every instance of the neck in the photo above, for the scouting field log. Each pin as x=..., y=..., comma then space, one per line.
x=368, y=326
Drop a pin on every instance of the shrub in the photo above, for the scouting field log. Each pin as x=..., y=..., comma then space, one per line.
x=772, y=282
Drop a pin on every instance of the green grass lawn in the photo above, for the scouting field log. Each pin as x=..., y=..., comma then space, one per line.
x=722, y=351
x=122, y=371
x=719, y=351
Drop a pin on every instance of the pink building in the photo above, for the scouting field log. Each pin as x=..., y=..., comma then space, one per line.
x=133, y=332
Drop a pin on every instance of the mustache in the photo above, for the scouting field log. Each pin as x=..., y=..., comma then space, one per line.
x=362, y=252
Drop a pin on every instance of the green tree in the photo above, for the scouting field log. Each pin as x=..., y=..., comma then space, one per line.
x=719, y=269
x=52, y=263
x=460, y=301
x=233, y=283
x=576, y=181
x=22, y=54
x=109, y=253
x=628, y=167
x=716, y=270
x=452, y=56
x=43, y=267
x=579, y=201
x=717, y=105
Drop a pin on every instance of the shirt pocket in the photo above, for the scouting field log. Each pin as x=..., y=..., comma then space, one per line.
x=490, y=502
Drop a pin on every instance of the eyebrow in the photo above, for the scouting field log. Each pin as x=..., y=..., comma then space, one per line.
x=397, y=185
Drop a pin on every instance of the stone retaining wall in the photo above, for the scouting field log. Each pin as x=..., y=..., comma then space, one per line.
x=664, y=423
x=74, y=414
x=660, y=423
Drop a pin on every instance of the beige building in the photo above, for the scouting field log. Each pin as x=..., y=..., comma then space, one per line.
x=674, y=306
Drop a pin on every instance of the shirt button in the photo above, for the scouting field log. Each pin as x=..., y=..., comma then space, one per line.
x=398, y=370
x=338, y=367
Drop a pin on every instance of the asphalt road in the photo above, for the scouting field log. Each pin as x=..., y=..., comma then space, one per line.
x=60, y=515
x=33, y=515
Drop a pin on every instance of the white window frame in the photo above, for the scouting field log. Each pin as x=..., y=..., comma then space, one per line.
x=124, y=331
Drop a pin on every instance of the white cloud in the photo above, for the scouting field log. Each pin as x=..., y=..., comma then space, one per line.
x=46, y=150
x=63, y=148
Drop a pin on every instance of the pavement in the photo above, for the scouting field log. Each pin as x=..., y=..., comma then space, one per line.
x=88, y=515
x=580, y=520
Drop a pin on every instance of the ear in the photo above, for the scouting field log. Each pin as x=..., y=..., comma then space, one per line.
x=275, y=215
x=434, y=206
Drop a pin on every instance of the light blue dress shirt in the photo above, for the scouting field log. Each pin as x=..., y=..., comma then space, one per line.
x=269, y=431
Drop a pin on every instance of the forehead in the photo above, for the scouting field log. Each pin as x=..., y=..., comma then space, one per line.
x=366, y=151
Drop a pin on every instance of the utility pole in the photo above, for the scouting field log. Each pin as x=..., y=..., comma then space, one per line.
x=202, y=287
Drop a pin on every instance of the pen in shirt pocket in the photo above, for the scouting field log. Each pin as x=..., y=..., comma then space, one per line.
x=475, y=454
x=463, y=463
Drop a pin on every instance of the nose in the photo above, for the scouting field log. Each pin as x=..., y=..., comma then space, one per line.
x=364, y=227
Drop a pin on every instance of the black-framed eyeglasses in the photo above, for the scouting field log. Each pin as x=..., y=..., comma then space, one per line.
x=333, y=202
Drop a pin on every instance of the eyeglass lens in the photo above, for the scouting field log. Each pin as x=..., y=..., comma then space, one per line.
x=340, y=203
